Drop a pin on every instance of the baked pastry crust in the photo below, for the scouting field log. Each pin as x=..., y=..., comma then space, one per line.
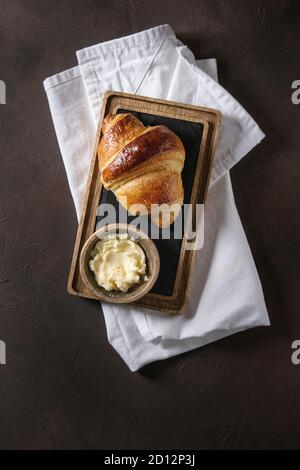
x=142, y=166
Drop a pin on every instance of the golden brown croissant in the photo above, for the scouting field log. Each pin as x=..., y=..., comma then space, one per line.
x=142, y=165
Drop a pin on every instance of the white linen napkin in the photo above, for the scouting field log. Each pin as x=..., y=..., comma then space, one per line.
x=225, y=296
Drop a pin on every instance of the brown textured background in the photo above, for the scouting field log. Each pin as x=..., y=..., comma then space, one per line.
x=63, y=385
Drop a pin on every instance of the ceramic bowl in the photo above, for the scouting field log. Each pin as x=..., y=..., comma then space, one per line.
x=135, y=292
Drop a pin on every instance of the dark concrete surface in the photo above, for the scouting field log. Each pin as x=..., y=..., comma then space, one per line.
x=63, y=385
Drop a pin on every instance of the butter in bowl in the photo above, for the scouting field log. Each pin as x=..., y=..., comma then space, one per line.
x=119, y=263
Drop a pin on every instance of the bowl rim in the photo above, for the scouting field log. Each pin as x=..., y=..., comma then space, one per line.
x=141, y=289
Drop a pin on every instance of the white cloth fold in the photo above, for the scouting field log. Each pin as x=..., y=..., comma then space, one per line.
x=225, y=296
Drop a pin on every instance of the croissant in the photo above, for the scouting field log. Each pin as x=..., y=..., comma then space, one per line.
x=142, y=166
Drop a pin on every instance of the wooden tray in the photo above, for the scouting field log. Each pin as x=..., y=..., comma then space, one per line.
x=198, y=129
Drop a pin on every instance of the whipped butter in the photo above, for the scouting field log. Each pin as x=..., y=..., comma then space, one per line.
x=118, y=263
